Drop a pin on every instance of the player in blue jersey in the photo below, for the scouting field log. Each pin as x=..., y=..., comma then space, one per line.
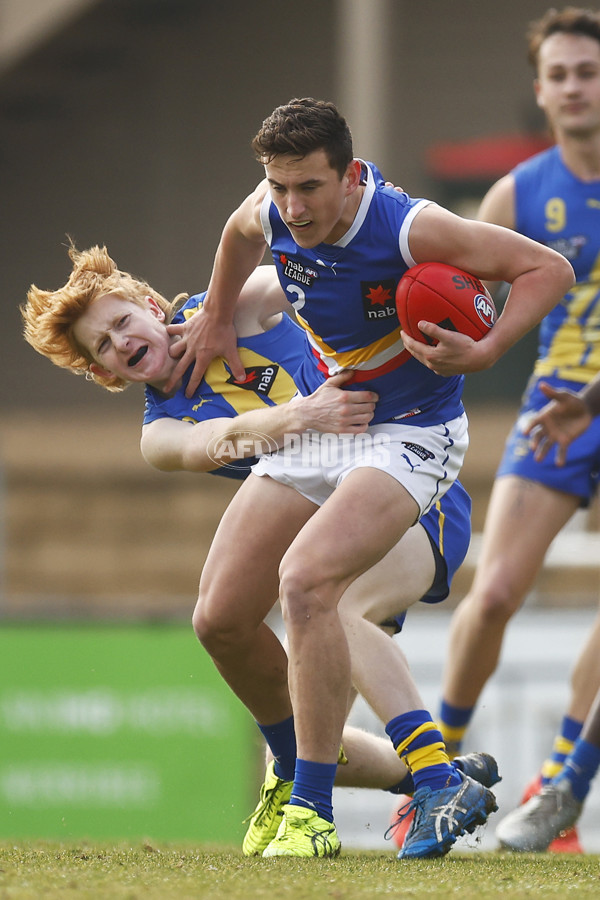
x=108, y=325
x=328, y=510
x=553, y=198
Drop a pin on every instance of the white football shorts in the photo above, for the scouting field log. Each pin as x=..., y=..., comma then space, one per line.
x=425, y=460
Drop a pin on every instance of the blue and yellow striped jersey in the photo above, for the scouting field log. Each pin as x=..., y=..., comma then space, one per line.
x=270, y=360
x=554, y=207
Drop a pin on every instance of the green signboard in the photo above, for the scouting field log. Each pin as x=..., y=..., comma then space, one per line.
x=119, y=732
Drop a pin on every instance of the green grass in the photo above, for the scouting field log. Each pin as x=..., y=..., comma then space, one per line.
x=92, y=871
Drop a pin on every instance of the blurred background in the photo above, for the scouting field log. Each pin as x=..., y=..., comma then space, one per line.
x=128, y=122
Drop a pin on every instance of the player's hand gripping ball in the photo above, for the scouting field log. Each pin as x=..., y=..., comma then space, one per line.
x=448, y=297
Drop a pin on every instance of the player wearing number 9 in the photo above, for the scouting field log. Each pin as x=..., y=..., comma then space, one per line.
x=554, y=198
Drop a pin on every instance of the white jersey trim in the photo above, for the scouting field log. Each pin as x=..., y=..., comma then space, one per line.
x=405, y=229
x=363, y=209
x=333, y=367
x=265, y=206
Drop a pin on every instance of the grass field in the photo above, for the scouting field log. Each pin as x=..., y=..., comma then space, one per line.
x=45, y=871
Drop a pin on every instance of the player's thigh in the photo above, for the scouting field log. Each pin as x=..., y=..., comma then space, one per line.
x=523, y=519
x=402, y=577
x=240, y=576
x=355, y=528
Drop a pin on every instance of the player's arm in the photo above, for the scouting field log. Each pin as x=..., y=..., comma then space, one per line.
x=563, y=419
x=261, y=302
x=498, y=205
x=171, y=445
x=539, y=278
x=498, y=208
x=240, y=251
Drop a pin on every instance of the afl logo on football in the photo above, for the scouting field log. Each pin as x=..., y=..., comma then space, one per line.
x=485, y=310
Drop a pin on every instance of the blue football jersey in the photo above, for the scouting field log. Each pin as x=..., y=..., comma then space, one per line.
x=344, y=297
x=554, y=207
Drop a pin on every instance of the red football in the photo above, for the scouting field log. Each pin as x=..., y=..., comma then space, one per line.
x=446, y=296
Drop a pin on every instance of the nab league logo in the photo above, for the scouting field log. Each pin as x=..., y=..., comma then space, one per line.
x=297, y=271
x=484, y=309
x=259, y=379
x=418, y=450
x=378, y=299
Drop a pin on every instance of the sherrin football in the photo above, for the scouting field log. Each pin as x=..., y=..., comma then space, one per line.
x=446, y=296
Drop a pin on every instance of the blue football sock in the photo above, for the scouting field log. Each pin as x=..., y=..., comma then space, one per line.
x=313, y=787
x=406, y=786
x=453, y=723
x=580, y=767
x=563, y=745
x=281, y=739
x=419, y=743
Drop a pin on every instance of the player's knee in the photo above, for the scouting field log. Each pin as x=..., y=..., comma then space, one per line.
x=303, y=591
x=201, y=622
x=357, y=605
x=295, y=596
x=216, y=633
x=497, y=601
